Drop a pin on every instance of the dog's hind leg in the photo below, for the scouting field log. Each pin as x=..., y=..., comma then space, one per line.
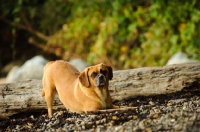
x=49, y=93
x=49, y=97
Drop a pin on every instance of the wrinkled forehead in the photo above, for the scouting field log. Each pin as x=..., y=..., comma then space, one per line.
x=97, y=68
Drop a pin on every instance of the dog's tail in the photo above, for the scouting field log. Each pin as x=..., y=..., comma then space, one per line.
x=43, y=93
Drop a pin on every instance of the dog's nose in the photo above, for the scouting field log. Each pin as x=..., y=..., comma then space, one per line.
x=101, y=76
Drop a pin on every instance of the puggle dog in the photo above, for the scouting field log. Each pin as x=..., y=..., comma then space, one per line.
x=79, y=92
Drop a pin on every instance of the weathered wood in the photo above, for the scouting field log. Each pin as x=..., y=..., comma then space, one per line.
x=26, y=95
x=23, y=96
x=151, y=81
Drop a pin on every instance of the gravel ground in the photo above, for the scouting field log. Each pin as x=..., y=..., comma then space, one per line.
x=176, y=112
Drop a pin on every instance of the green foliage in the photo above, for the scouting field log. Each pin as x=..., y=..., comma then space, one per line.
x=125, y=33
x=132, y=34
x=46, y=16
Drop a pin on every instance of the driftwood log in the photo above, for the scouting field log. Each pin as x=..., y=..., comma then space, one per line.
x=26, y=95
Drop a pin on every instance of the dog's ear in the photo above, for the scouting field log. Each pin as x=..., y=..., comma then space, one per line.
x=83, y=78
x=110, y=72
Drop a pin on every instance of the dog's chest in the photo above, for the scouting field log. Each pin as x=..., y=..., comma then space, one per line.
x=102, y=94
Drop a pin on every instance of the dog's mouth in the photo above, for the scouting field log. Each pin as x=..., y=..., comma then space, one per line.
x=101, y=84
x=100, y=81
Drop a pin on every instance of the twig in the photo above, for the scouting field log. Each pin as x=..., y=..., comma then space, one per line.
x=111, y=110
x=120, y=109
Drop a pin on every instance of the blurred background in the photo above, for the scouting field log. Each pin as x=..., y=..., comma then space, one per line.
x=121, y=33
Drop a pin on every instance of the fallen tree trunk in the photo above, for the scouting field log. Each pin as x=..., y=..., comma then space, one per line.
x=151, y=81
x=23, y=96
x=26, y=95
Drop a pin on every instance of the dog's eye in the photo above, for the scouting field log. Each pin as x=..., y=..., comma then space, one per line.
x=103, y=72
x=94, y=74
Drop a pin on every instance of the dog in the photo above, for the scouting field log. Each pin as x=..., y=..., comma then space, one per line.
x=79, y=92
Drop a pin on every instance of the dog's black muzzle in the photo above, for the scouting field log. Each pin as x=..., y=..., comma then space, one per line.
x=100, y=80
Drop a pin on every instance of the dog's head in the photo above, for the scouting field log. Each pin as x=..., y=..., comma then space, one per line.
x=98, y=76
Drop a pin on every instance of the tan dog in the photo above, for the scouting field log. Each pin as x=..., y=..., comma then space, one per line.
x=79, y=92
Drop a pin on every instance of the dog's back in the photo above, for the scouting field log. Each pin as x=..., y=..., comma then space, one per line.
x=59, y=68
x=58, y=71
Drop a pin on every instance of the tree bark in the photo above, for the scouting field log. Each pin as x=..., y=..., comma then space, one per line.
x=151, y=81
x=23, y=96
x=26, y=95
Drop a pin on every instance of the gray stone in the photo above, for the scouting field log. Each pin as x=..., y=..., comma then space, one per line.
x=79, y=64
x=180, y=58
x=5, y=70
x=119, y=129
x=178, y=127
x=31, y=69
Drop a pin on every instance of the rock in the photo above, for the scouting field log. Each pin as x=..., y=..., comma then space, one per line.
x=178, y=127
x=31, y=69
x=179, y=58
x=98, y=122
x=155, y=116
x=5, y=70
x=176, y=101
x=135, y=117
x=119, y=129
x=151, y=103
x=115, y=118
x=56, y=122
x=148, y=130
x=100, y=128
x=79, y=64
x=142, y=124
x=89, y=124
x=103, y=120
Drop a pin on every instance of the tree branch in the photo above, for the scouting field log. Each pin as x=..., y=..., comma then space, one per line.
x=48, y=49
x=28, y=24
x=20, y=26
